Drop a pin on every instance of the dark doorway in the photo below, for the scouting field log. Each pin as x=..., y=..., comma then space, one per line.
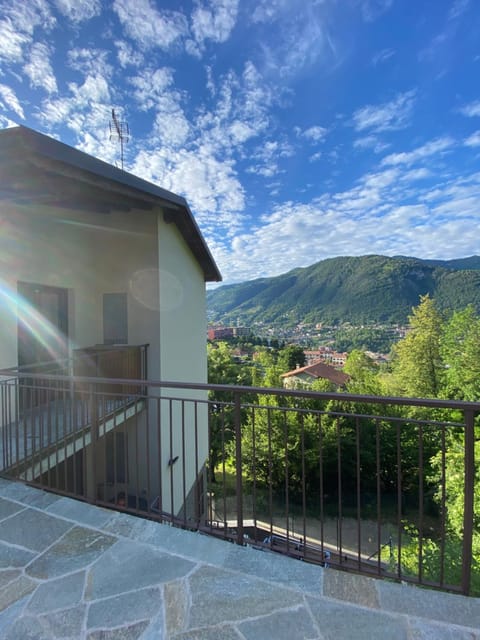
x=42, y=336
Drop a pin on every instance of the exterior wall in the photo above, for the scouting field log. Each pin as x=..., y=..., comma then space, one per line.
x=183, y=358
x=88, y=254
x=293, y=382
x=135, y=253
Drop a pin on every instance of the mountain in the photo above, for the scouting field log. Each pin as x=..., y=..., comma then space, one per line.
x=351, y=289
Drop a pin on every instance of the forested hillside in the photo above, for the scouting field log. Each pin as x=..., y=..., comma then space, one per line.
x=354, y=289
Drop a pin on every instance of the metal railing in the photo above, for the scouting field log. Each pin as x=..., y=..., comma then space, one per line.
x=380, y=486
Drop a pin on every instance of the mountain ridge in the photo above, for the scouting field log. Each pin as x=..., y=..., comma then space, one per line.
x=357, y=289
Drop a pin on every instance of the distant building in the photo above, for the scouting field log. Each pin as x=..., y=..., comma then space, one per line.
x=306, y=375
x=327, y=355
x=219, y=333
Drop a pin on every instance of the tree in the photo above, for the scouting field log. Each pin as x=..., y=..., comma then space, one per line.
x=460, y=350
x=222, y=369
x=418, y=368
x=290, y=357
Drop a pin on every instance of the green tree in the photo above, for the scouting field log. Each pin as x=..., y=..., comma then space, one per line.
x=290, y=357
x=460, y=349
x=222, y=369
x=418, y=367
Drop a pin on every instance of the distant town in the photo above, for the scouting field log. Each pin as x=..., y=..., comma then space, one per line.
x=320, y=342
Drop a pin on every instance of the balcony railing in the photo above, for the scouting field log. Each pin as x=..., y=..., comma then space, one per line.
x=358, y=483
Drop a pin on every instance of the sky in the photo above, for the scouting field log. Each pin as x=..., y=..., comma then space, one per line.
x=297, y=130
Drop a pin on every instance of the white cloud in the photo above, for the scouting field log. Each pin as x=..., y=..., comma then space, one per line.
x=372, y=217
x=18, y=23
x=458, y=8
x=86, y=111
x=79, y=10
x=392, y=115
x=315, y=133
x=268, y=10
x=373, y=9
x=214, y=20
x=471, y=110
x=370, y=142
x=315, y=156
x=12, y=41
x=149, y=27
x=210, y=185
x=427, y=150
x=473, y=140
x=150, y=88
x=39, y=70
x=382, y=56
x=8, y=100
x=267, y=157
x=127, y=55
x=172, y=128
x=306, y=37
x=90, y=61
x=240, y=132
x=416, y=174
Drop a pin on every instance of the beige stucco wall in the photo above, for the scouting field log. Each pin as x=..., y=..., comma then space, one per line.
x=88, y=254
x=182, y=359
x=139, y=253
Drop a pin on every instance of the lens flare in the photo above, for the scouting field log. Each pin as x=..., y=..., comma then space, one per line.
x=47, y=335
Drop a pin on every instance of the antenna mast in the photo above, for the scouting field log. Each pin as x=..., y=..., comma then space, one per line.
x=120, y=131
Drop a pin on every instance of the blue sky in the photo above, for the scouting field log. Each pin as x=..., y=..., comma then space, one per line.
x=297, y=130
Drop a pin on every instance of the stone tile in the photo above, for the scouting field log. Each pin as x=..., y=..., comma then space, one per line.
x=7, y=576
x=13, y=556
x=156, y=628
x=351, y=588
x=16, y=590
x=76, y=550
x=63, y=593
x=224, y=632
x=176, y=599
x=128, y=566
x=80, y=512
x=132, y=632
x=189, y=544
x=27, y=629
x=272, y=566
x=27, y=495
x=122, y=524
x=281, y=625
x=10, y=615
x=63, y=624
x=220, y=596
x=348, y=622
x=124, y=609
x=7, y=508
x=425, y=630
x=32, y=529
x=426, y=603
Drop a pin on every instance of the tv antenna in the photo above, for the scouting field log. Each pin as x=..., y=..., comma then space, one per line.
x=120, y=131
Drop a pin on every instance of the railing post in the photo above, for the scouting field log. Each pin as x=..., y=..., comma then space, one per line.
x=238, y=466
x=468, y=498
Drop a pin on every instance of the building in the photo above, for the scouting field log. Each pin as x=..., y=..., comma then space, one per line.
x=100, y=273
x=306, y=375
x=219, y=333
x=327, y=355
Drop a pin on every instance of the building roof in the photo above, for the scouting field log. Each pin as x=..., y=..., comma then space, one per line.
x=35, y=168
x=320, y=370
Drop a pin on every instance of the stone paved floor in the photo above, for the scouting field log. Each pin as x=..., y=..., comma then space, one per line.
x=70, y=570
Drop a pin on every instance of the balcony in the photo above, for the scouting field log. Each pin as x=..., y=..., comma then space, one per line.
x=49, y=417
x=336, y=480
